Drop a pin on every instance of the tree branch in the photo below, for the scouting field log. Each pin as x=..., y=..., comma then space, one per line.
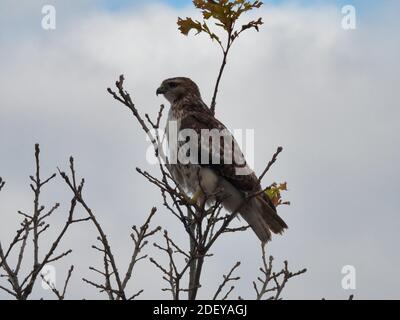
x=227, y=278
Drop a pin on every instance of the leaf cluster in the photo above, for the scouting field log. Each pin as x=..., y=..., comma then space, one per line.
x=225, y=13
x=274, y=193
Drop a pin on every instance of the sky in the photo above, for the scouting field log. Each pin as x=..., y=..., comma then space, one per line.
x=329, y=96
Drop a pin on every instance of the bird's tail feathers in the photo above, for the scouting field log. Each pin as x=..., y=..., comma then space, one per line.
x=262, y=218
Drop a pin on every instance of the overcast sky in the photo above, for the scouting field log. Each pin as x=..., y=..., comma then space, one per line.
x=329, y=96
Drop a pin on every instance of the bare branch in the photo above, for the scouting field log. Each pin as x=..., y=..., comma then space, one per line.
x=156, y=125
x=33, y=226
x=137, y=294
x=22, y=249
x=59, y=295
x=227, y=278
x=2, y=183
x=77, y=191
x=269, y=165
x=278, y=279
x=139, y=244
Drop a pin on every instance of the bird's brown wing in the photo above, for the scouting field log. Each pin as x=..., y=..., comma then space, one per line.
x=197, y=120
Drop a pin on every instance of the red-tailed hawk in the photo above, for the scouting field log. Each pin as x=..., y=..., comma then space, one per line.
x=201, y=174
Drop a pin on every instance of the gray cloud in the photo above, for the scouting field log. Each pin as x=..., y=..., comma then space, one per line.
x=327, y=95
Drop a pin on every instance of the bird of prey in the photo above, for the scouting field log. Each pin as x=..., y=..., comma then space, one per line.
x=206, y=178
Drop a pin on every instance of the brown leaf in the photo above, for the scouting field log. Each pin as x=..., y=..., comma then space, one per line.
x=274, y=193
x=185, y=25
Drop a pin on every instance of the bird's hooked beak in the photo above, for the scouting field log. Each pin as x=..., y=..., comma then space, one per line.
x=161, y=90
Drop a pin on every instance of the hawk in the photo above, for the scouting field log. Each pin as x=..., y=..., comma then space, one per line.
x=205, y=179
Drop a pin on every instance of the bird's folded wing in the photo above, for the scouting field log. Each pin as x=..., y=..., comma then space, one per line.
x=231, y=158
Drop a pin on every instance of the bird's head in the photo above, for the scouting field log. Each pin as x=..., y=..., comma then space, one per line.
x=177, y=88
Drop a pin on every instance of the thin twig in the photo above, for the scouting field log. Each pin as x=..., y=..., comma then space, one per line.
x=269, y=165
x=227, y=278
x=34, y=226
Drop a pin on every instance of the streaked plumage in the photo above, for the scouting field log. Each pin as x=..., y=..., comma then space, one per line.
x=190, y=112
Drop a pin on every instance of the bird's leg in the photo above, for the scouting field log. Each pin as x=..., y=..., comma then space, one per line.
x=195, y=198
x=197, y=195
x=198, y=198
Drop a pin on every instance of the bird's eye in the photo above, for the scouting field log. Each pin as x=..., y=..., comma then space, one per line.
x=173, y=84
